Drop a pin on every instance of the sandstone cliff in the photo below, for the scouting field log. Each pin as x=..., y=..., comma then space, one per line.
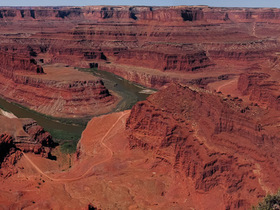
x=25, y=82
x=21, y=135
x=167, y=43
x=214, y=142
x=184, y=147
x=138, y=13
x=11, y=62
x=261, y=89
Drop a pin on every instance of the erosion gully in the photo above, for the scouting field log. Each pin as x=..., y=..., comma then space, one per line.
x=68, y=132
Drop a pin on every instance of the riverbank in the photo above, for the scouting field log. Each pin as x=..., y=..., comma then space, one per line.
x=130, y=92
x=67, y=132
x=8, y=114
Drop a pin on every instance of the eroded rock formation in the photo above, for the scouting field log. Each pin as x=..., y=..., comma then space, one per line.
x=21, y=135
x=261, y=89
x=148, y=45
x=215, y=142
x=184, y=147
x=11, y=62
x=23, y=81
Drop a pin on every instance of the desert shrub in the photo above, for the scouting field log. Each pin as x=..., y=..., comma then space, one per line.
x=270, y=202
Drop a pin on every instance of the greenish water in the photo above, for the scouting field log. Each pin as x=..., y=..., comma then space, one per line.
x=129, y=91
x=59, y=130
x=67, y=132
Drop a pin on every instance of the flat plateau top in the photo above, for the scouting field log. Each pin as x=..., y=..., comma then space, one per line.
x=61, y=72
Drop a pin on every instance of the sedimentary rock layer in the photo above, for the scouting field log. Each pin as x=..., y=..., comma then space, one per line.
x=261, y=89
x=184, y=147
x=216, y=143
x=23, y=81
x=21, y=135
x=159, y=40
x=11, y=62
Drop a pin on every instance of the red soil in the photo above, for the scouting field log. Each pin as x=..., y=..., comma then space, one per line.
x=225, y=149
x=204, y=151
x=152, y=46
x=105, y=170
x=17, y=136
x=183, y=148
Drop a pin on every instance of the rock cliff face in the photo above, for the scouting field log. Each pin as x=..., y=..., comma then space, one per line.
x=11, y=62
x=9, y=155
x=165, y=62
x=137, y=13
x=216, y=143
x=23, y=81
x=260, y=88
x=72, y=99
x=21, y=135
x=160, y=40
x=184, y=147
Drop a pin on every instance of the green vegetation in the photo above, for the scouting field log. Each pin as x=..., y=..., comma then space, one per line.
x=270, y=202
x=67, y=132
x=67, y=140
x=59, y=135
x=68, y=147
x=62, y=130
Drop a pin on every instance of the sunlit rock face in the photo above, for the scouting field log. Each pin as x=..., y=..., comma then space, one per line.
x=209, y=139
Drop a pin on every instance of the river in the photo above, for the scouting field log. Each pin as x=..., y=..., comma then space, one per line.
x=68, y=134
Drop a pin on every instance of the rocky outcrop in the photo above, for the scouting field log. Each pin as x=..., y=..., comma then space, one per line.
x=165, y=62
x=218, y=143
x=37, y=140
x=72, y=99
x=11, y=62
x=137, y=13
x=21, y=135
x=182, y=40
x=26, y=135
x=24, y=81
x=260, y=88
x=9, y=155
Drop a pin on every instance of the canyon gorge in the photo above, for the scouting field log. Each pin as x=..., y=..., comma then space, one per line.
x=204, y=134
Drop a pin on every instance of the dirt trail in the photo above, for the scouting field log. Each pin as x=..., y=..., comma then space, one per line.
x=226, y=84
x=86, y=173
x=254, y=29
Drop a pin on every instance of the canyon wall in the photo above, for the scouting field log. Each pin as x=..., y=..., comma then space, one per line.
x=182, y=146
x=21, y=135
x=11, y=62
x=215, y=142
x=260, y=88
x=170, y=42
x=72, y=99
x=138, y=13
x=23, y=81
